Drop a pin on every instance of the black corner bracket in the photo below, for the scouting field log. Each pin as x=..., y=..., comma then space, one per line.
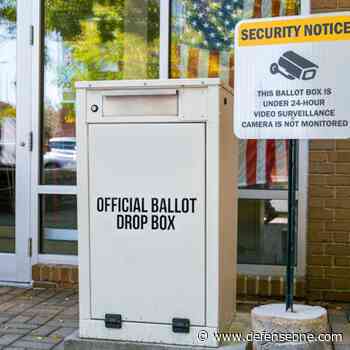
x=113, y=321
x=181, y=325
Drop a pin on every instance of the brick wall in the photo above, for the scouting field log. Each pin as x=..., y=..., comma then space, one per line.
x=253, y=286
x=55, y=276
x=328, y=244
x=329, y=5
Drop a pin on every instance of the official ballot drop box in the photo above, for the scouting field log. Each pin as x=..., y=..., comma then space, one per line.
x=157, y=203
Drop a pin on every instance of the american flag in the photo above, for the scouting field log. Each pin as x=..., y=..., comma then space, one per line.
x=262, y=162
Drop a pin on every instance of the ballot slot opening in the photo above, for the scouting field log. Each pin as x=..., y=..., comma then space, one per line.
x=138, y=103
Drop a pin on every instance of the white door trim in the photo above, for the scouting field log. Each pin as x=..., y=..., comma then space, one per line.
x=23, y=129
x=18, y=265
x=37, y=188
x=164, y=26
x=36, y=108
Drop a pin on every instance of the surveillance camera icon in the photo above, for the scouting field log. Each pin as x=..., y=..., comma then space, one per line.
x=293, y=66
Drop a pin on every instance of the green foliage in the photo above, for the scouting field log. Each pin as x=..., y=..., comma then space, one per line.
x=102, y=40
x=8, y=10
x=7, y=111
x=65, y=17
x=106, y=26
x=8, y=19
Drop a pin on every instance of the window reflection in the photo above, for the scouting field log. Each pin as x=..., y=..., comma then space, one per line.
x=263, y=164
x=202, y=46
x=89, y=40
x=7, y=125
x=59, y=224
x=202, y=38
x=84, y=40
x=262, y=231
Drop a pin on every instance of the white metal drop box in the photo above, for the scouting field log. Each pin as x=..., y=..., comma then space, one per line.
x=157, y=203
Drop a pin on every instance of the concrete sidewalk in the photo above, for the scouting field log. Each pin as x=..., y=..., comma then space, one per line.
x=340, y=324
x=40, y=319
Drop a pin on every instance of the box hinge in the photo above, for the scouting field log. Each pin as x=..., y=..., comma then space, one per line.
x=30, y=247
x=31, y=35
x=113, y=321
x=181, y=325
x=31, y=141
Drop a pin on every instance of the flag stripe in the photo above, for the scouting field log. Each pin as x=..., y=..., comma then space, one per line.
x=224, y=66
x=184, y=61
x=203, y=63
x=231, y=70
x=276, y=8
x=251, y=161
x=270, y=163
x=193, y=56
x=214, y=62
x=260, y=171
x=175, y=61
x=242, y=181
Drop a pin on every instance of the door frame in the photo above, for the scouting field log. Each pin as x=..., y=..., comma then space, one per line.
x=18, y=264
x=37, y=188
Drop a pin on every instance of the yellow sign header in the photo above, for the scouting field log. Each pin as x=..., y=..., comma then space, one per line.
x=288, y=31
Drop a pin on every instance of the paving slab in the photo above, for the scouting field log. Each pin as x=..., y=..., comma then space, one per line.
x=44, y=331
x=339, y=324
x=8, y=339
x=74, y=342
x=32, y=345
x=42, y=318
x=63, y=332
x=25, y=315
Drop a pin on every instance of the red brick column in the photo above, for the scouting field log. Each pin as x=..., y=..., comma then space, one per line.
x=328, y=246
x=328, y=243
x=55, y=276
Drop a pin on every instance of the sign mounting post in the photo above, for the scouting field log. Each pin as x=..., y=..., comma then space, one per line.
x=292, y=205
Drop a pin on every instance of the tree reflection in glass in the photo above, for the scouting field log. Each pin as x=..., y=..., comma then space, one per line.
x=89, y=40
x=7, y=124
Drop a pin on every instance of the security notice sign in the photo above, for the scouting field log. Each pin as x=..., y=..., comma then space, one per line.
x=292, y=78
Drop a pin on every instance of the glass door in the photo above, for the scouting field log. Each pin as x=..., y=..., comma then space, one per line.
x=14, y=148
x=80, y=40
x=8, y=30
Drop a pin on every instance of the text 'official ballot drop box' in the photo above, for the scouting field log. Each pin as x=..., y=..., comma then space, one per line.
x=157, y=203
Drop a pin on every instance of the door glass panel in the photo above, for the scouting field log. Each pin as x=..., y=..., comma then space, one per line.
x=84, y=40
x=59, y=232
x=202, y=46
x=7, y=124
x=262, y=231
x=89, y=40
